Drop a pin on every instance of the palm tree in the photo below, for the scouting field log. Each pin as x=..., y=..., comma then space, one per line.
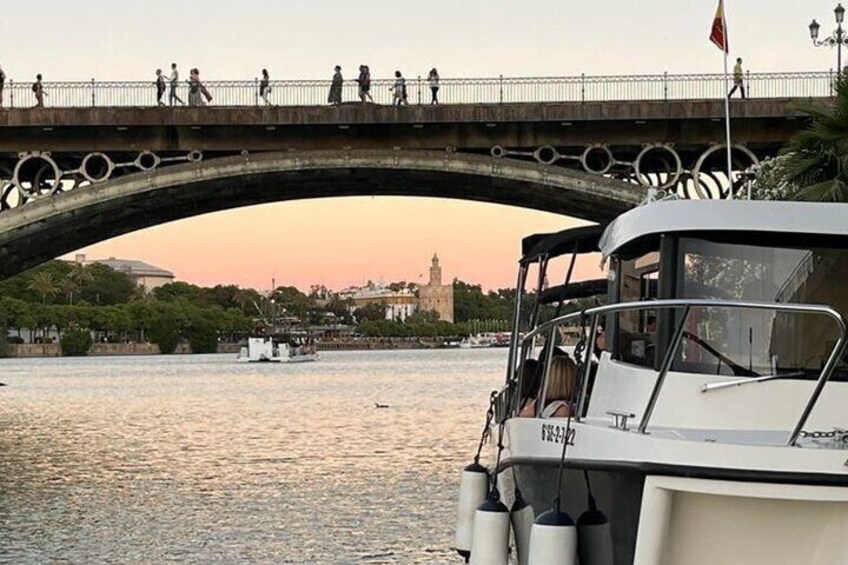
x=80, y=274
x=817, y=159
x=43, y=284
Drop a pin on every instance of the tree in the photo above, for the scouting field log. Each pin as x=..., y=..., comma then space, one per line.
x=107, y=286
x=43, y=284
x=816, y=160
x=80, y=276
x=76, y=343
x=372, y=312
x=164, y=334
x=202, y=334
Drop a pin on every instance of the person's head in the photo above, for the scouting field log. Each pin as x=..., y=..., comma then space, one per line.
x=158, y=72
x=530, y=379
x=434, y=72
x=562, y=378
x=173, y=65
x=397, y=74
x=739, y=60
x=338, y=68
x=38, y=76
x=265, y=73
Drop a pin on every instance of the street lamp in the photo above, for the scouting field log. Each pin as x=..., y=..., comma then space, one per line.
x=838, y=38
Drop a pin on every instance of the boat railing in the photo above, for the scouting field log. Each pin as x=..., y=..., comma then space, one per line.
x=590, y=318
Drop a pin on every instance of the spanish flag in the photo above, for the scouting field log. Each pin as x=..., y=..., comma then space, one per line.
x=719, y=32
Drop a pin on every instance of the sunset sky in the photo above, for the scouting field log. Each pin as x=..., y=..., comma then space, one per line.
x=340, y=242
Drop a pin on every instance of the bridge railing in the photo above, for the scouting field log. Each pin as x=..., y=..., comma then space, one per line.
x=496, y=90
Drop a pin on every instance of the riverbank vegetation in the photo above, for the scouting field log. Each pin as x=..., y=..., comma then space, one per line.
x=57, y=298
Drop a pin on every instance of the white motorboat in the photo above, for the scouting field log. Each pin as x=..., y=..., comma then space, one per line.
x=478, y=341
x=713, y=425
x=271, y=350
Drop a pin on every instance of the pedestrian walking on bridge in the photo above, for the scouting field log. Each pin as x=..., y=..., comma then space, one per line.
x=433, y=79
x=738, y=79
x=38, y=90
x=2, y=85
x=399, y=90
x=160, y=87
x=364, y=81
x=175, y=80
x=265, y=87
x=335, y=96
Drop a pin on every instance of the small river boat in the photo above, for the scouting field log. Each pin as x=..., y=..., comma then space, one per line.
x=268, y=349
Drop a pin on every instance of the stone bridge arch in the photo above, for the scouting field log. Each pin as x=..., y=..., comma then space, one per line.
x=54, y=225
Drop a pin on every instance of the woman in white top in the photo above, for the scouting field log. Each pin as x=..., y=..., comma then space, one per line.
x=433, y=79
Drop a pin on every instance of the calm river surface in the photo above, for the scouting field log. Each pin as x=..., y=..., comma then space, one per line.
x=200, y=459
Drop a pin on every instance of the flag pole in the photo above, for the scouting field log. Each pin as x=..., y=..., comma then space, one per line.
x=727, y=106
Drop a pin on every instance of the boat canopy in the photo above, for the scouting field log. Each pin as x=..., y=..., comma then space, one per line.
x=575, y=240
x=768, y=219
x=573, y=291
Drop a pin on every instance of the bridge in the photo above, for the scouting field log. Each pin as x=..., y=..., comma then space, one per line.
x=102, y=161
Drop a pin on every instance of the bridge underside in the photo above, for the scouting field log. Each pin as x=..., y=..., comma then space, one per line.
x=54, y=225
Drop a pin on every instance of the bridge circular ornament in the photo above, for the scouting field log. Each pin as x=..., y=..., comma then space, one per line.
x=674, y=176
x=39, y=187
x=195, y=155
x=546, y=155
x=147, y=161
x=498, y=152
x=696, y=172
x=97, y=167
x=606, y=155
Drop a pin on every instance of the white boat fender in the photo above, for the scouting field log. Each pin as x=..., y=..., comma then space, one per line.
x=490, y=541
x=553, y=540
x=521, y=515
x=473, y=489
x=594, y=537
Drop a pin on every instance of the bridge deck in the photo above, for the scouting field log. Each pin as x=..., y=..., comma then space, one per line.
x=758, y=123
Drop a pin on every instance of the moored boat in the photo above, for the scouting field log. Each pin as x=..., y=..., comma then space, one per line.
x=701, y=416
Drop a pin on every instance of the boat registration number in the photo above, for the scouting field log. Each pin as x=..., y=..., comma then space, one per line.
x=556, y=433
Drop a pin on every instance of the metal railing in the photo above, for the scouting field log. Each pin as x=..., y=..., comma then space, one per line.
x=497, y=90
x=593, y=314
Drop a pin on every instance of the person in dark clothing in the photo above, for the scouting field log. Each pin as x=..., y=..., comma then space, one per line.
x=364, y=81
x=2, y=85
x=265, y=86
x=160, y=87
x=335, y=96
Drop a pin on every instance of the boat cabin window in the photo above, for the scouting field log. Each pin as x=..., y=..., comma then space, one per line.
x=747, y=342
x=636, y=331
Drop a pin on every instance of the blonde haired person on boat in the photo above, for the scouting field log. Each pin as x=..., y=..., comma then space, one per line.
x=562, y=380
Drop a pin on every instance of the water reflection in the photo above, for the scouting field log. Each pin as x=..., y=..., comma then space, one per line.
x=174, y=459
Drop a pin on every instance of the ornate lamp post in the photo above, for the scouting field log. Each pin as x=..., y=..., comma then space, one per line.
x=838, y=38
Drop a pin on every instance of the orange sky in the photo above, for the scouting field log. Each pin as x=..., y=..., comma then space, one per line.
x=339, y=242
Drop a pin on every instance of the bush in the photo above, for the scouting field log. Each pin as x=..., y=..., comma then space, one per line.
x=16, y=339
x=75, y=343
x=4, y=345
x=203, y=337
x=164, y=334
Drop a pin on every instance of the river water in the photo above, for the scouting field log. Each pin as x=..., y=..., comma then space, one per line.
x=199, y=459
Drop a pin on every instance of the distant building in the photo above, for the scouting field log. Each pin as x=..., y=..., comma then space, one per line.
x=436, y=297
x=141, y=273
x=398, y=305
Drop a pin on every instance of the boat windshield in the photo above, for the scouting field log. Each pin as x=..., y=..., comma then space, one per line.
x=722, y=341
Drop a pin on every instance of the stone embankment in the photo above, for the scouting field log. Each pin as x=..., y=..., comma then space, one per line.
x=115, y=349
